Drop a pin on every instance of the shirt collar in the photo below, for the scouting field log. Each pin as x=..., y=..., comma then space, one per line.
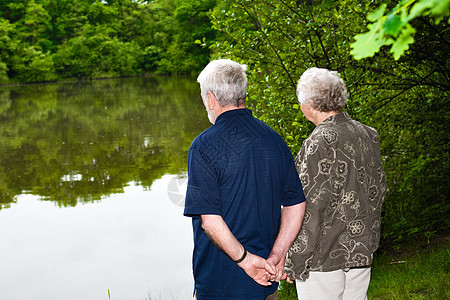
x=336, y=119
x=234, y=113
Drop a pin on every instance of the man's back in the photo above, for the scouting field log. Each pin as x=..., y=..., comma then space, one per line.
x=243, y=171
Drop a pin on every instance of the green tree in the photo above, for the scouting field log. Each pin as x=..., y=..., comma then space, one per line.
x=33, y=65
x=97, y=52
x=26, y=53
x=92, y=38
x=404, y=99
x=6, y=47
x=36, y=21
x=67, y=18
x=191, y=23
x=13, y=10
x=157, y=32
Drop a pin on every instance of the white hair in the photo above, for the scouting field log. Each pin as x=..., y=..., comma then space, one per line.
x=226, y=79
x=325, y=90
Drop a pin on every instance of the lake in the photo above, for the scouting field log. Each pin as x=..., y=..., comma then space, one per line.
x=92, y=182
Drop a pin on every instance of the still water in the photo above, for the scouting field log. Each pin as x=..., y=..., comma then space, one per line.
x=92, y=180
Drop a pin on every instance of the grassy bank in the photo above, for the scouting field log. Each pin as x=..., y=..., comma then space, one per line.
x=417, y=272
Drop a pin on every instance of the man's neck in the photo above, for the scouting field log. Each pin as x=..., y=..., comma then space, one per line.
x=220, y=110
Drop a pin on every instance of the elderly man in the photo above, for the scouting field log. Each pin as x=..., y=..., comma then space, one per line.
x=343, y=180
x=240, y=173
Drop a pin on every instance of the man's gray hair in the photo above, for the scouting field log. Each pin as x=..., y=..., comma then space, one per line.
x=226, y=79
x=324, y=88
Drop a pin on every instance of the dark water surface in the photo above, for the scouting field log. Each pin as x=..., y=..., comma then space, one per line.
x=92, y=180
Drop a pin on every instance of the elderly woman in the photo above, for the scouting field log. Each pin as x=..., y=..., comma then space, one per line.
x=340, y=167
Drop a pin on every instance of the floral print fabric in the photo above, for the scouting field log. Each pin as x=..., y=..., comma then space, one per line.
x=340, y=167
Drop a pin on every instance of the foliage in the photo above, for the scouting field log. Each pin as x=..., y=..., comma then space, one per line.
x=395, y=27
x=421, y=274
x=192, y=23
x=404, y=99
x=46, y=40
x=98, y=53
x=287, y=291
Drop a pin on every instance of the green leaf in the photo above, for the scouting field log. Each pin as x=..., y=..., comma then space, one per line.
x=440, y=10
x=436, y=8
x=420, y=7
x=377, y=14
x=401, y=44
x=393, y=25
x=369, y=43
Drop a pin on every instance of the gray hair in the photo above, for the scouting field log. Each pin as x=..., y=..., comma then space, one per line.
x=226, y=79
x=323, y=88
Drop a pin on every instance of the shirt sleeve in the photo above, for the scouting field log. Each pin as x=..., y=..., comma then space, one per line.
x=308, y=164
x=203, y=194
x=293, y=191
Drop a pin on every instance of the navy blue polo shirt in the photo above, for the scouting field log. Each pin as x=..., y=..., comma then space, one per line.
x=242, y=170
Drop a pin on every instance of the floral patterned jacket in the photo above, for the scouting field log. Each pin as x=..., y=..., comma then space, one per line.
x=340, y=167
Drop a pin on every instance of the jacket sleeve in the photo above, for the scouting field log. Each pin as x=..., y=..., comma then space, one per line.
x=313, y=165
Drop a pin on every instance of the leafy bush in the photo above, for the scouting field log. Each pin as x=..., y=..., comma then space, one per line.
x=403, y=99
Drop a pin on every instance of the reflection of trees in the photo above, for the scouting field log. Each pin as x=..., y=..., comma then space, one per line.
x=83, y=141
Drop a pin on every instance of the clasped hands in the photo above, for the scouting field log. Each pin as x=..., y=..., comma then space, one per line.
x=263, y=271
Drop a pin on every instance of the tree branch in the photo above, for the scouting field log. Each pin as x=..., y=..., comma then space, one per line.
x=384, y=103
x=274, y=49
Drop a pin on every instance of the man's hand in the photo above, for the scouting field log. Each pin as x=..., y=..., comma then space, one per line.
x=258, y=269
x=254, y=266
x=278, y=261
x=291, y=221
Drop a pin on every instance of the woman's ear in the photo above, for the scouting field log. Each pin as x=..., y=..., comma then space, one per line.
x=308, y=105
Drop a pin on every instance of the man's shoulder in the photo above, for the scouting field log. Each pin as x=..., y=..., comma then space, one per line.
x=269, y=130
x=203, y=138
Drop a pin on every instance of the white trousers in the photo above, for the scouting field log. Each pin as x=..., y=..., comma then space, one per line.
x=346, y=284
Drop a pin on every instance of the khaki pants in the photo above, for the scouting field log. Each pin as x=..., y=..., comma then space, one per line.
x=346, y=284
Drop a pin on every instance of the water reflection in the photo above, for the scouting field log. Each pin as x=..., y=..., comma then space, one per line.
x=136, y=244
x=91, y=186
x=81, y=141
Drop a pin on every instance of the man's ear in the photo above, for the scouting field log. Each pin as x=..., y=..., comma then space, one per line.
x=211, y=100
